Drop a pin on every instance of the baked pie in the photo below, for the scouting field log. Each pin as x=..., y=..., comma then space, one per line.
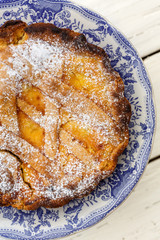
x=63, y=115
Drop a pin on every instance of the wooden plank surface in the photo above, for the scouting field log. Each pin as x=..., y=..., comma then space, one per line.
x=139, y=20
x=138, y=218
x=152, y=64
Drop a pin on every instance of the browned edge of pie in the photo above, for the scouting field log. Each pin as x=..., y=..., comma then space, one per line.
x=15, y=32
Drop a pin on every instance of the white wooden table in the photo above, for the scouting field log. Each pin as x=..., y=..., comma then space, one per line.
x=138, y=218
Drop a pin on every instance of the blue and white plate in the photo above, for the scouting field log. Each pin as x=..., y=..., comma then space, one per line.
x=82, y=213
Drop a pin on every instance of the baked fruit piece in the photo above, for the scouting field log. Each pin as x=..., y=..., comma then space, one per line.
x=63, y=115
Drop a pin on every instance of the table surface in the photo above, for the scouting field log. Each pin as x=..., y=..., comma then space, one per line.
x=138, y=217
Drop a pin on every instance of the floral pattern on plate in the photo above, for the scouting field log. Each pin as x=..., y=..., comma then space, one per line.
x=82, y=213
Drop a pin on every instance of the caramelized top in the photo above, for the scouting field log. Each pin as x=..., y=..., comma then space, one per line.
x=63, y=114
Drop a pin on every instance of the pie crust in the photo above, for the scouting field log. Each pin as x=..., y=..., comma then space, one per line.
x=63, y=115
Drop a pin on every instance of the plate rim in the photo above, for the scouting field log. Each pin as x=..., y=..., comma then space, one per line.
x=152, y=109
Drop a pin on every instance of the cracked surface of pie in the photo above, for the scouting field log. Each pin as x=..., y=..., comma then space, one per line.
x=63, y=116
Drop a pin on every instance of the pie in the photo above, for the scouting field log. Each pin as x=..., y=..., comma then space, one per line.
x=63, y=115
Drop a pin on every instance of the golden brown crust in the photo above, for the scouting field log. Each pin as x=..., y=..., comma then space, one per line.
x=90, y=127
x=11, y=32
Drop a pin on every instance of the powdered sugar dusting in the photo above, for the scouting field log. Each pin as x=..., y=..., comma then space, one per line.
x=63, y=100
